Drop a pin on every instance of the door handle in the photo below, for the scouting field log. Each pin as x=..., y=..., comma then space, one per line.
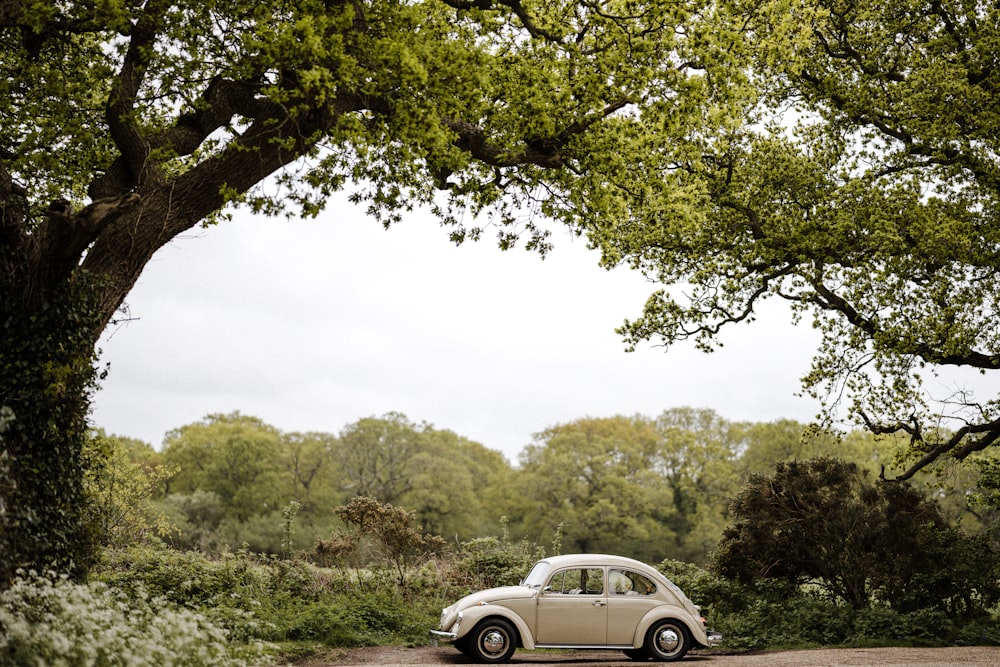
x=599, y=603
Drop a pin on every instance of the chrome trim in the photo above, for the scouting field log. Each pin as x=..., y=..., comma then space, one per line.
x=615, y=647
x=714, y=638
x=494, y=642
x=441, y=635
x=667, y=640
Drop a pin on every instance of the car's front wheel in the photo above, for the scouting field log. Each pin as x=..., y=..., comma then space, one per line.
x=463, y=646
x=667, y=640
x=492, y=641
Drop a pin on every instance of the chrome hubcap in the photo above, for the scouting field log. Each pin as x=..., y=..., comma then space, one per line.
x=494, y=641
x=667, y=640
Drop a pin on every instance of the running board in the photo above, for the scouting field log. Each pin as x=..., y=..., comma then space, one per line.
x=588, y=647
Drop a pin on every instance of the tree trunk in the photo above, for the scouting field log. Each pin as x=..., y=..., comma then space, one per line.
x=61, y=281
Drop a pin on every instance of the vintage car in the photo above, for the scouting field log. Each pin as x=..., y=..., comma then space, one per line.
x=581, y=601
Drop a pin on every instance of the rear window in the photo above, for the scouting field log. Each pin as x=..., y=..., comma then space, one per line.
x=627, y=582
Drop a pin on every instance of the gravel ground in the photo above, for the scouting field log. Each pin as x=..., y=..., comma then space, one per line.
x=393, y=656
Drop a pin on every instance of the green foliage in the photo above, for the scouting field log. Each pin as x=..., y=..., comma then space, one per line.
x=691, y=462
x=821, y=522
x=119, y=492
x=391, y=532
x=718, y=596
x=125, y=125
x=860, y=185
x=489, y=562
x=594, y=479
x=278, y=600
x=648, y=488
x=988, y=493
x=446, y=479
x=768, y=615
x=841, y=159
x=374, y=456
x=234, y=456
x=301, y=606
x=52, y=621
x=46, y=377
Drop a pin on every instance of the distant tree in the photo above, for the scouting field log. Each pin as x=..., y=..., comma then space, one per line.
x=374, y=456
x=824, y=522
x=308, y=468
x=196, y=517
x=986, y=494
x=767, y=444
x=453, y=484
x=695, y=458
x=234, y=456
x=595, y=479
x=451, y=488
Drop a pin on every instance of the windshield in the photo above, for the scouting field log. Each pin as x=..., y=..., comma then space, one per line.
x=537, y=576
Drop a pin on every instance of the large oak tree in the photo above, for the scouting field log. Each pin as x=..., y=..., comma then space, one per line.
x=125, y=123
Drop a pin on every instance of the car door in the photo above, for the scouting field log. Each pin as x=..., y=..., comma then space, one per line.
x=573, y=608
x=630, y=597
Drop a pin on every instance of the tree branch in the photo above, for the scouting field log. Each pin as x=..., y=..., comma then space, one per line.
x=989, y=433
x=829, y=300
x=125, y=132
x=514, y=6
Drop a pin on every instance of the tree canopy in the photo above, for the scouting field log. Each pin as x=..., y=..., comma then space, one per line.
x=123, y=125
x=861, y=187
x=840, y=155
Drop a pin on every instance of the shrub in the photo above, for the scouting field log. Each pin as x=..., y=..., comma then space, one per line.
x=277, y=600
x=714, y=594
x=823, y=522
x=489, y=562
x=55, y=622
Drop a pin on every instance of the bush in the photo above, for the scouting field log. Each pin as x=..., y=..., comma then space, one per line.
x=278, y=600
x=54, y=622
x=489, y=562
x=773, y=615
x=714, y=594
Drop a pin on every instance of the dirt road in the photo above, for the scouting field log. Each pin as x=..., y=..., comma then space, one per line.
x=392, y=656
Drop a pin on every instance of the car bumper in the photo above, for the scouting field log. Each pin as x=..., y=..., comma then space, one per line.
x=442, y=636
x=714, y=638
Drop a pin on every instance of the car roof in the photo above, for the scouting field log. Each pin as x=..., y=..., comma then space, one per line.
x=595, y=559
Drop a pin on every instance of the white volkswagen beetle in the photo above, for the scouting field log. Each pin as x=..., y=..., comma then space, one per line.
x=581, y=601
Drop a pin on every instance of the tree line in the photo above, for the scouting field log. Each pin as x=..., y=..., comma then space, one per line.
x=649, y=487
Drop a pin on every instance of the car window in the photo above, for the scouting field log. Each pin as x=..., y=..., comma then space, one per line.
x=627, y=582
x=578, y=581
x=536, y=577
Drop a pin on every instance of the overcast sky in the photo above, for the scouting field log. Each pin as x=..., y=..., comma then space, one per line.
x=312, y=325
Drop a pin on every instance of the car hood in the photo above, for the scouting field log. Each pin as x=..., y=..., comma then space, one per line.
x=491, y=595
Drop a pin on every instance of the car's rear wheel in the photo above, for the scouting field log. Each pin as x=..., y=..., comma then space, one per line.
x=493, y=641
x=667, y=640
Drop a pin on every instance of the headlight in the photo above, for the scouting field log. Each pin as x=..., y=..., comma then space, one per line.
x=448, y=618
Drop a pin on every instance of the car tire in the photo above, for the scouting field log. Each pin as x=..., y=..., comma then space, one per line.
x=637, y=654
x=492, y=641
x=668, y=640
x=463, y=646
